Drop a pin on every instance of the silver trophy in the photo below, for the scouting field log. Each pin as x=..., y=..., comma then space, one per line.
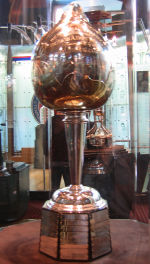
x=72, y=73
x=99, y=138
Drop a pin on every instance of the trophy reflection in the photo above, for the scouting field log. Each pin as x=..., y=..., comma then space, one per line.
x=72, y=73
x=98, y=137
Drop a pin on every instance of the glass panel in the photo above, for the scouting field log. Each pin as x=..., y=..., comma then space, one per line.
x=118, y=104
x=26, y=137
x=3, y=97
x=142, y=90
x=24, y=121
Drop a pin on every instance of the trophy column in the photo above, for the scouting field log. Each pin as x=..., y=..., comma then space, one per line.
x=73, y=73
x=75, y=222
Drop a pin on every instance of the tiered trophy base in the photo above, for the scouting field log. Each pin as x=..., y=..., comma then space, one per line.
x=79, y=236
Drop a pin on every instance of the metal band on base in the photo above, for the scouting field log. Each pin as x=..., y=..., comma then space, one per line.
x=75, y=236
x=76, y=199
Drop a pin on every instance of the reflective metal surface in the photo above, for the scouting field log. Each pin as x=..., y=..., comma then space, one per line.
x=98, y=135
x=75, y=236
x=76, y=198
x=94, y=167
x=72, y=73
x=75, y=129
x=71, y=66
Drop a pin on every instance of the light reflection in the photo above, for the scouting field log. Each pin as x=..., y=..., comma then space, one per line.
x=78, y=61
x=65, y=30
x=114, y=41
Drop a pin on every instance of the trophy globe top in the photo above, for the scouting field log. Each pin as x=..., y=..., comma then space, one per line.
x=72, y=69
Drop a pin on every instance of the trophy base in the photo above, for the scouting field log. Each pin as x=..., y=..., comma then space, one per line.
x=75, y=236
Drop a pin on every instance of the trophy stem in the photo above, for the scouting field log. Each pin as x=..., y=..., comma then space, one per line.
x=76, y=219
x=75, y=129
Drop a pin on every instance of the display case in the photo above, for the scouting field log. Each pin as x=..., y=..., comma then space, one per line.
x=26, y=125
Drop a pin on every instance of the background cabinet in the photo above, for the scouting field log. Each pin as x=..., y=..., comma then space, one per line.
x=14, y=191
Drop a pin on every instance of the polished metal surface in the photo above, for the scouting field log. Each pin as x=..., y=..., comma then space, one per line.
x=72, y=67
x=72, y=72
x=75, y=236
x=76, y=199
x=75, y=129
x=98, y=135
x=94, y=167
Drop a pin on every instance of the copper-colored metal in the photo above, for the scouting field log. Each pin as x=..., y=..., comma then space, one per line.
x=72, y=67
x=76, y=198
x=72, y=72
x=98, y=135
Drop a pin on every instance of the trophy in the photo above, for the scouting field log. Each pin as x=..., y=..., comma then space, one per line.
x=99, y=135
x=100, y=138
x=72, y=73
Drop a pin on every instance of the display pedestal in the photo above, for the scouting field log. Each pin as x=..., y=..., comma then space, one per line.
x=76, y=236
x=19, y=244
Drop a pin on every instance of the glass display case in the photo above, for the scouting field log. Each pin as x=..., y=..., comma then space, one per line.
x=3, y=98
x=26, y=125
